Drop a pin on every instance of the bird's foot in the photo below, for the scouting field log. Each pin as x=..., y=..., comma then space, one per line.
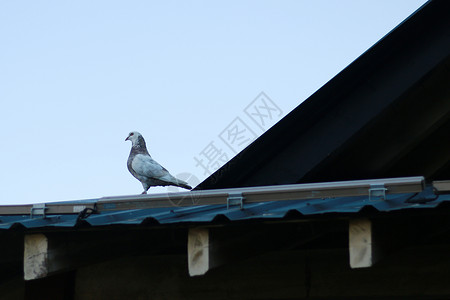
x=144, y=192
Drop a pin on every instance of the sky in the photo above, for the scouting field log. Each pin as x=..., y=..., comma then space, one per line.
x=200, y=80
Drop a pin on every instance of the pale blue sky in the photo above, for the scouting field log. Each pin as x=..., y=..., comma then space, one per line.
x=77, y=76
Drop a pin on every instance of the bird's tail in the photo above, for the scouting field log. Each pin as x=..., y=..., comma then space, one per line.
x=183, y=184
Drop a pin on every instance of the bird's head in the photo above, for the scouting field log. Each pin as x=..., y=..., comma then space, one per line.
x=138, y=142
x=133, y=137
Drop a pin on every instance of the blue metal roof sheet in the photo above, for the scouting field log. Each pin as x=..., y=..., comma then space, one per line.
x=208, y=213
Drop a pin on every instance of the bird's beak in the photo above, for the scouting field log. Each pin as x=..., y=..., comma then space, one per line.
x=127, y=138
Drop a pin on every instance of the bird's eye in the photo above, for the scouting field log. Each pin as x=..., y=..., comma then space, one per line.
x=131, y=134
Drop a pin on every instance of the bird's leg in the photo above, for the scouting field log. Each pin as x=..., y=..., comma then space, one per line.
x=146, y=187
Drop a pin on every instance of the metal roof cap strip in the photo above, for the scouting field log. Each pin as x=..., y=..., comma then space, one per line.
x=252, y=211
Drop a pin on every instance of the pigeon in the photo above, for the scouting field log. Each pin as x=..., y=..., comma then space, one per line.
x=142, y=166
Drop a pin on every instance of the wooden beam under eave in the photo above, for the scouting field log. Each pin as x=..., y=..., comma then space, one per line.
x=361, y=243
x=35, y=260
x=198, y=251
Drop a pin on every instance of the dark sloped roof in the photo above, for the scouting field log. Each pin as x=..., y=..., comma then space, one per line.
x=425, y=201
x=386, y=115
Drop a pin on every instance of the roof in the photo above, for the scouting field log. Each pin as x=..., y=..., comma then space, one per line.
x=388, y=108
x=385, y=115
x=109, y=212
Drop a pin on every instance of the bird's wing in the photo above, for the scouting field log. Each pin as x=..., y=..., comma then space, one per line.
x=144, y=165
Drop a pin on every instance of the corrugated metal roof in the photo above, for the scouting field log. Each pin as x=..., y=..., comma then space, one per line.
x=252, y=211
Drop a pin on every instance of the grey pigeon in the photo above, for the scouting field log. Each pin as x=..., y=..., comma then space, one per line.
x=142, y=166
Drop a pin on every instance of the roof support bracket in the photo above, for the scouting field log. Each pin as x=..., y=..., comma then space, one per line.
x=377, y=192
x=38, y=210
x=235, y=199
